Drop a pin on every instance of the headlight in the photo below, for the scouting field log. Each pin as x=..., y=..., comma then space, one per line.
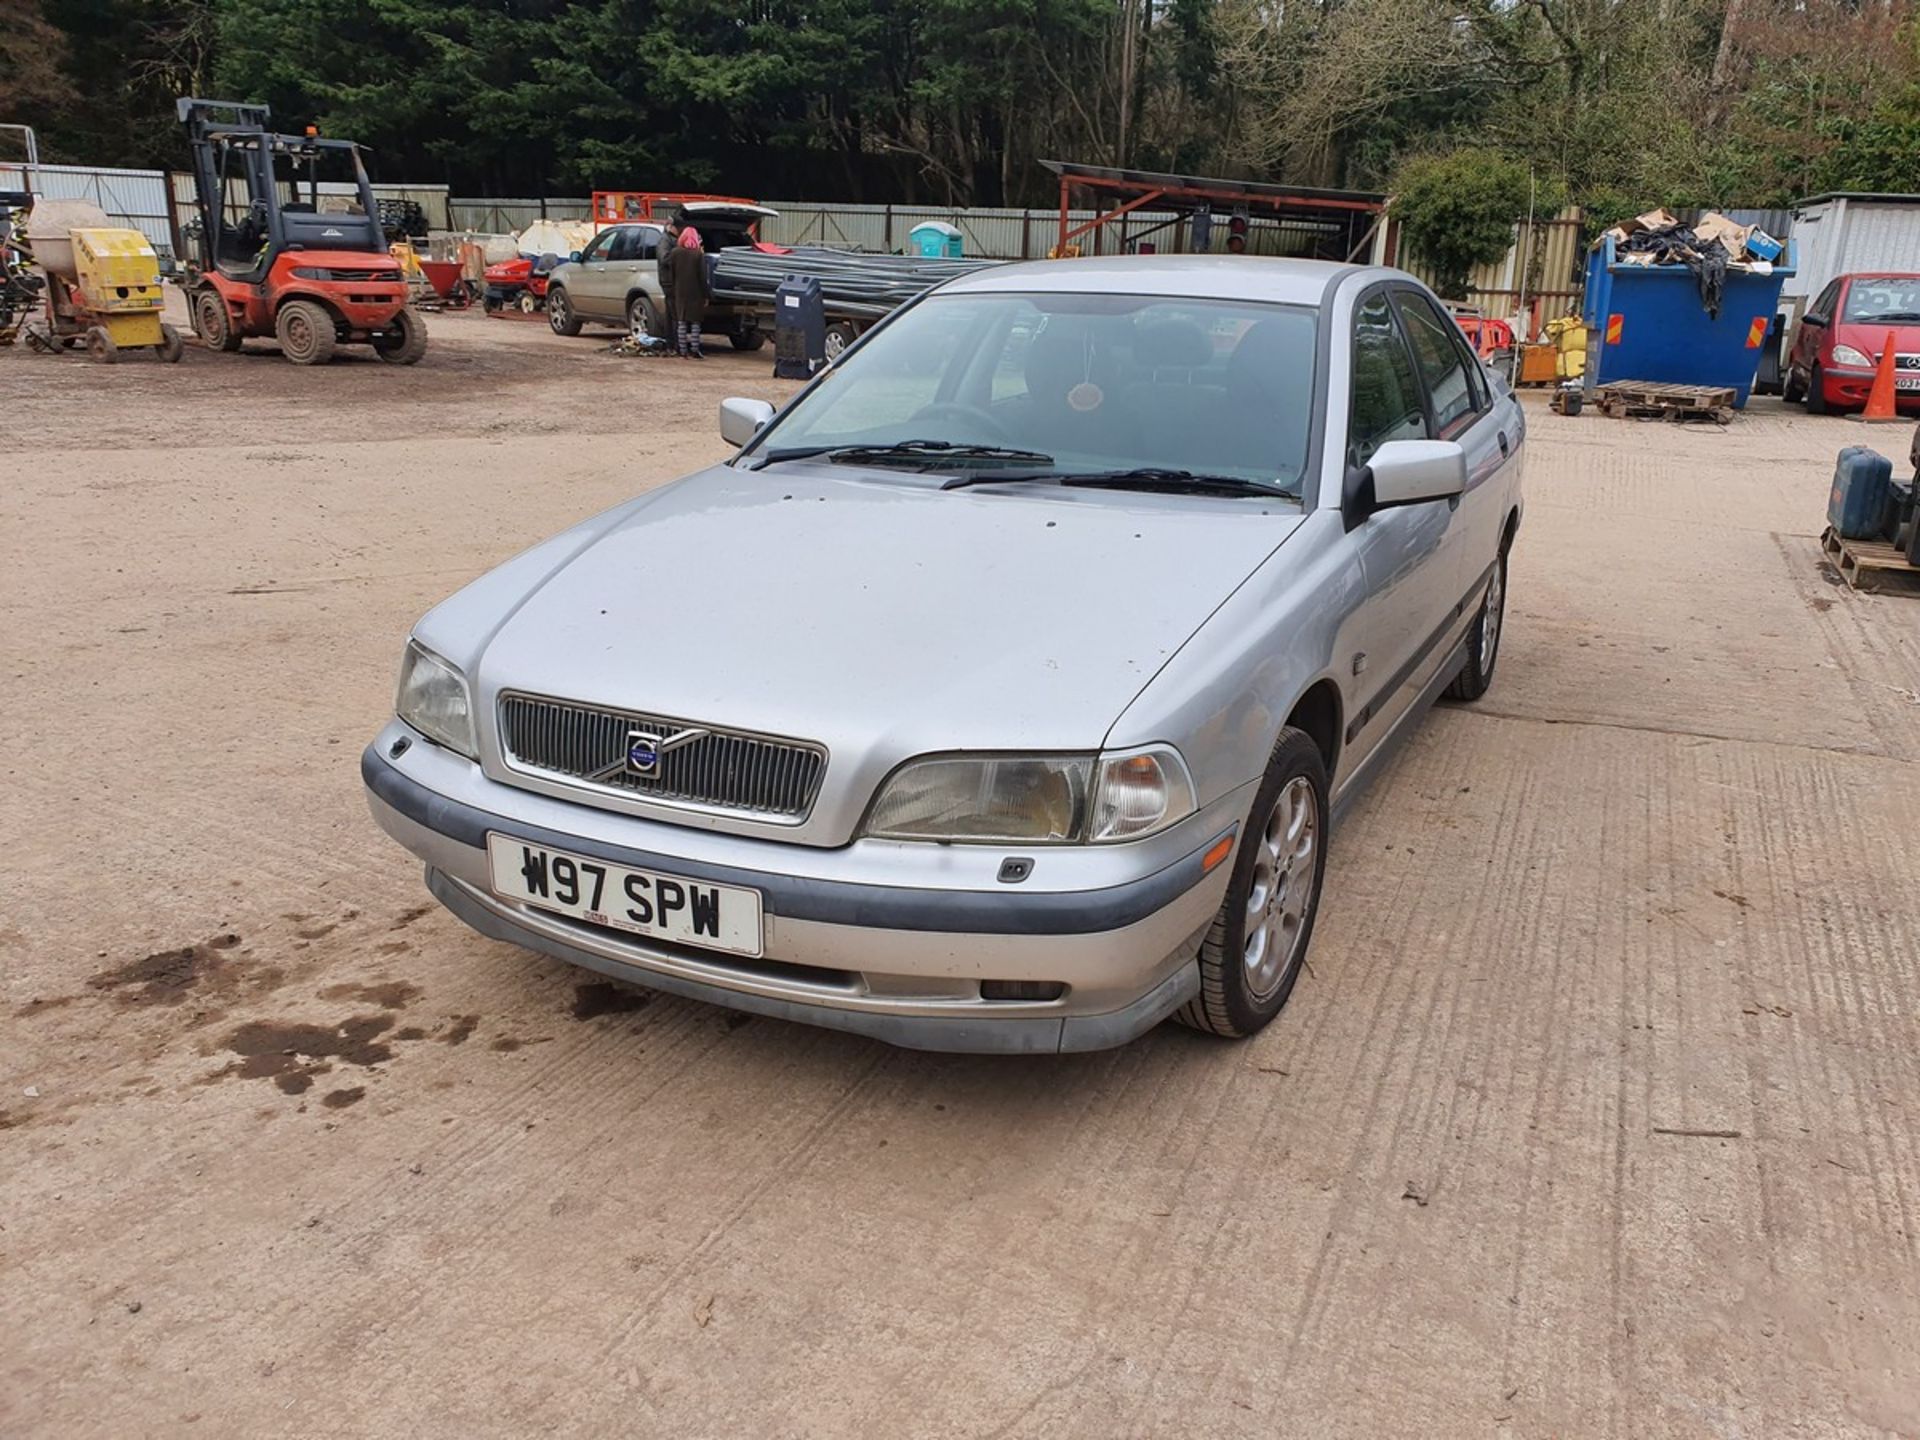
x=433, y=700
x=1847, y=355
x=1033, y=799
x=311, y=272
x=1140, y=793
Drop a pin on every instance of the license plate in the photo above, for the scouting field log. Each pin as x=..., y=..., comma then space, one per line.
x=1906, y=382
x=663, y=907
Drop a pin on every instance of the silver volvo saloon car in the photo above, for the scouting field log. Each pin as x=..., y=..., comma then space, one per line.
x=1001, y=692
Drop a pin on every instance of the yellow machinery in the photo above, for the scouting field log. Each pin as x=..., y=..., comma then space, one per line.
x=1568, y=335
x=103, y=283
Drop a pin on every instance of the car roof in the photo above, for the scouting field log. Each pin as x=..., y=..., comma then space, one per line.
x=1211, y=277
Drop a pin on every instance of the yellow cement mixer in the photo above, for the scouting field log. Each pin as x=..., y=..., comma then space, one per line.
x=103, y=283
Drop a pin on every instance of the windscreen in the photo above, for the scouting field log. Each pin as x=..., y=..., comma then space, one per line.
x=1893, y=299
x=1096, y=382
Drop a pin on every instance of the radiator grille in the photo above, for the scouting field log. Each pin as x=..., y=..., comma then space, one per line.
x=720, y=770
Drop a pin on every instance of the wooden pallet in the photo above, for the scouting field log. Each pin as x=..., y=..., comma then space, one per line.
x=1871, y=566
x=1652, y=399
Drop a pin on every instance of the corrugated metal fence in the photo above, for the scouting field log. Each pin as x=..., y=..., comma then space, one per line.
x=1554, y=261
x=508, y=217
x=135, y=198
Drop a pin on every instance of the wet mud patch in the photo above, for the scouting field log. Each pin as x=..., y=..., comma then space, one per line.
x=594, y=998
x=407, y=917
x=462, y=1031
x=341, y=1099
x=292, y=1054
x=387, y=994
x=172, y=977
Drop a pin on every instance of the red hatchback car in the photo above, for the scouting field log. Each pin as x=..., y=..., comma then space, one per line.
x=1842, y=335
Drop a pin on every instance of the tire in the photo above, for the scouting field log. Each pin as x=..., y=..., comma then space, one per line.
x=839, y=336
x=642, y=317
x=1483, y=640
x=171, y=345
x=529, y=303
x=1817, y=393
x=306, y=332
x=403, y=342
x=213, y=322
x=751, y=339
x=1257, y=946
x=560, y=316
x=100, y=346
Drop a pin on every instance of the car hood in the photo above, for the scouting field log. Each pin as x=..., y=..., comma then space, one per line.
x=876, y=615
x=1870, y=337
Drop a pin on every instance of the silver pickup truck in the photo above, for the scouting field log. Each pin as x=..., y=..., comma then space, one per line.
x=616, y=279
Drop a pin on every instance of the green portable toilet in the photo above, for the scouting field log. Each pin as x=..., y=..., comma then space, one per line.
x=935, y=240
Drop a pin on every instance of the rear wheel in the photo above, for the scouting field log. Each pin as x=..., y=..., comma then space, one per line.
x=1258, y=944
x=1817, y=392
x=404, y=341
x=751, y=338
x=100, y=346
x=213, y=322
x=560, y=312
x=642, y=319
x=529, y=302
x=306, y=332
x=839, y=336
x=170, y=344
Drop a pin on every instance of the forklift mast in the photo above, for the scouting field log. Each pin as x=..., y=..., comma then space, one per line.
x=229, y=140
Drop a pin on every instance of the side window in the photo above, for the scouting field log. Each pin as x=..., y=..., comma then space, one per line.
x=646, y=244
x=1386, y=396
x=1440, y=365
x=622, y=245
x=1829, y=298
x=597, y=248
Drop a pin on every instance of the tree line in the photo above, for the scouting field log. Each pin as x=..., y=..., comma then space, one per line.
x=1615, y=104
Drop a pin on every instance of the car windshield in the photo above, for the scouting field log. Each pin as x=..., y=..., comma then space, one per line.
x=1894, y=299
x=1079, y=384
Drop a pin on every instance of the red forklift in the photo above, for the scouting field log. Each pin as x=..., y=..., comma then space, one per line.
x=311, y=269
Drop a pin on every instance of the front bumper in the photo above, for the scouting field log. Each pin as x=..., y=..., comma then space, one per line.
x=854, y=939
x=1848, y=389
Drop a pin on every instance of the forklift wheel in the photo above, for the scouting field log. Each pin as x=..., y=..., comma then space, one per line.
x=404, y=341
x=213, y=322
x=170, y=345
x=100, y=346
x=306, y=332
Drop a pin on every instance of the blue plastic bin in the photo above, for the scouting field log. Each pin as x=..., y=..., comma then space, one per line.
x=1862, y=494
x=1646, y=322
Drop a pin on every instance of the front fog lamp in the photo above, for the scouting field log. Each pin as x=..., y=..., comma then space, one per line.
x=1032, y=799
x=433, y=700
x=1140, y=793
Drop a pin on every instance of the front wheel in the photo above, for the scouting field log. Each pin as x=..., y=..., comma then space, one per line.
x=100, y=346
x=839, y=336
x=749, y=339
x=1483, y=640
x=214, y=322
x=404, y=341
x=1817, y=393
x=306, y=332
x=560, y=316
x=1257, y=946
x=170, y=344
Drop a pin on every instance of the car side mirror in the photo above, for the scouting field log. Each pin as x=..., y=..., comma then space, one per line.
x=1406, y=472
x=573, y=257
x=741, y=419
x=1814, y=320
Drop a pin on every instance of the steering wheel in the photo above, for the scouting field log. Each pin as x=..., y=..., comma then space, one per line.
x=972, y=414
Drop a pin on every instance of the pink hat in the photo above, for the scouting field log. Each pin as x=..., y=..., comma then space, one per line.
x=689, y=236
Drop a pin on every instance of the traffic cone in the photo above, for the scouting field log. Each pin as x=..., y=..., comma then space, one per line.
x=1880, y=406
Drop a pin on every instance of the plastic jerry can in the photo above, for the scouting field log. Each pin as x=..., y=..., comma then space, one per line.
x=1862, y=491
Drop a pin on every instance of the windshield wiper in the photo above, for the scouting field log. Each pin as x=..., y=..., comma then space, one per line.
x=1142, y=477
x=918, y=450
x=1910, y=316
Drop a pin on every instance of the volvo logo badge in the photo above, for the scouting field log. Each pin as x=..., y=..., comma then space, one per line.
x=643, y=753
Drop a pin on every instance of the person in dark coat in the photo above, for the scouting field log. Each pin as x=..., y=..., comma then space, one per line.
x=688, y=289
x=668, y=318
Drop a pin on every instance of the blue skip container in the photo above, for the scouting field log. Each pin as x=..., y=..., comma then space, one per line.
x=1862, y=494
x=1646, y=322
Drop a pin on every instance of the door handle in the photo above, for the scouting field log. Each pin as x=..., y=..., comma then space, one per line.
x=1505, y=449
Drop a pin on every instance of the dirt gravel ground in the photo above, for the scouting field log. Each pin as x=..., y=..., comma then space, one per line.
x=1598, y=1114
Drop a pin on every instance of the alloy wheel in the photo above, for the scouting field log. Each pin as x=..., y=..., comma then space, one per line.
x=1282, y=887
